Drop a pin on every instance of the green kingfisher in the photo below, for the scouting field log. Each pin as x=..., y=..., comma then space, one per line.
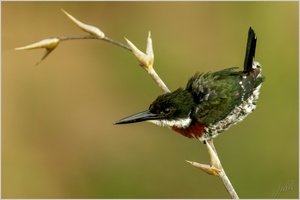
x=211, y=102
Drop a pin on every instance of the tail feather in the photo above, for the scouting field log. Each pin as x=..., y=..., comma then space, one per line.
x=250, y=50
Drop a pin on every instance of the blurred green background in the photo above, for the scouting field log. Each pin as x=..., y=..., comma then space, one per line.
x=58, y=140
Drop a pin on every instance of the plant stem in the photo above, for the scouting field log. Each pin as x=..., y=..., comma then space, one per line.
x=107, y=39
x=215, y=168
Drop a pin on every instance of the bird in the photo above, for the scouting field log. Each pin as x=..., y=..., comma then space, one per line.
x=211, y=102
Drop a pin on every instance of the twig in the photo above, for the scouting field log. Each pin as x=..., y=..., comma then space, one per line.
x=215, y=168
x=146, y=60
x=107, y=39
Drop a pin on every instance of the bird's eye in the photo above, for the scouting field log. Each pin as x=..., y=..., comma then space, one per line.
x=166, y=111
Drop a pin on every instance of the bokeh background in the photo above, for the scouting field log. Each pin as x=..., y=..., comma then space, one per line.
x=58, y=140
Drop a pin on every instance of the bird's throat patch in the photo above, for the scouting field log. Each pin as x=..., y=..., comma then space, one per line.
x=195, y=130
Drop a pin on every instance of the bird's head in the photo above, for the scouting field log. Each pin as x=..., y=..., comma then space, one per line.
x=170, y=109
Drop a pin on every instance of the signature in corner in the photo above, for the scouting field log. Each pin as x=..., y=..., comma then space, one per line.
x=288, y=186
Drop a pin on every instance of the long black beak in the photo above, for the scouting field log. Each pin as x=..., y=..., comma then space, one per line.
x=139, y=117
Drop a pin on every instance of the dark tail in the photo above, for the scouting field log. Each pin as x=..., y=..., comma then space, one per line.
x=250, y=50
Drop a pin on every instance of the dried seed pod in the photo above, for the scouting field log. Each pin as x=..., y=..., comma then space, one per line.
x=146, y=59
x=85, y=27
x=49, y=43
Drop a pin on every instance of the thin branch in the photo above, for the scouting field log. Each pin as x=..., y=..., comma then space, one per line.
x=215, y=168
x=228, y=184
x=158, y=80
x=107, y=39
x=117, y=43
